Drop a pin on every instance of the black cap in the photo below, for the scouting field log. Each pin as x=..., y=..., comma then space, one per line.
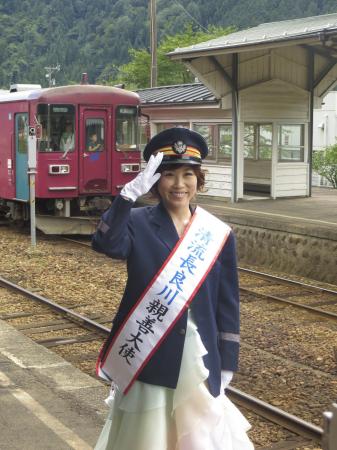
x=179, y=145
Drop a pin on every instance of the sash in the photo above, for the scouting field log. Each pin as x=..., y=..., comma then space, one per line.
x=164, y=300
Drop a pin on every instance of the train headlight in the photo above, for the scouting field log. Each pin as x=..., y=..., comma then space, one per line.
x=59, y=169
x=129, y=168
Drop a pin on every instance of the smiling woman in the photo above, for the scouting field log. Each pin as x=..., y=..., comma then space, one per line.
x=174, y=342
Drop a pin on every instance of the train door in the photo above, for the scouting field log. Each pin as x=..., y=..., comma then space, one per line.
x=21, y=156
x=94, y=151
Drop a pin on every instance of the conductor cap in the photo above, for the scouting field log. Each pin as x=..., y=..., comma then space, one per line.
x=179, y=145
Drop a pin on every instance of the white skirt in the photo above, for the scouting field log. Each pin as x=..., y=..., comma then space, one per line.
x=153, y=417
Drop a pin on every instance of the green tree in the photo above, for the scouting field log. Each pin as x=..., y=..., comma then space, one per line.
x=136, y=74
x=325, y=164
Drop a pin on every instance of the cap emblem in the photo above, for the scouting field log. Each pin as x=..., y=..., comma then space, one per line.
x=179, y=147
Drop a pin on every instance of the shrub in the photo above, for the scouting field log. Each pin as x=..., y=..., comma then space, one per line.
x=325, y=164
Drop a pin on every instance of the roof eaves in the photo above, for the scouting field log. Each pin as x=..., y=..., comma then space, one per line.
x=176, y=104
x=189, y=52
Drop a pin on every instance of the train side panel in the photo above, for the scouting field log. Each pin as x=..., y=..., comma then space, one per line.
x=13, y=150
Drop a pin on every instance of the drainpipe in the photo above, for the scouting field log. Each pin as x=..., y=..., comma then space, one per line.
x=311, y=114
x=235, y=114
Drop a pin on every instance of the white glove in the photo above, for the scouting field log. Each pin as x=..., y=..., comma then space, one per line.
x=144, y=180
x=226, y=378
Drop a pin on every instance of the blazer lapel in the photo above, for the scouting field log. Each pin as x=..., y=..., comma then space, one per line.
x=164, y=226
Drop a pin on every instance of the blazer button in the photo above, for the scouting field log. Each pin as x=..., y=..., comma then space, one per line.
x=182, y=331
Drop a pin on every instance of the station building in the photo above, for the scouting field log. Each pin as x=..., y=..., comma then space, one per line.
x=266, y=82
x=194, y=106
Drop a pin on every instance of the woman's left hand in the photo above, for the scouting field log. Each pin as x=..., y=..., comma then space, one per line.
x=226, y=378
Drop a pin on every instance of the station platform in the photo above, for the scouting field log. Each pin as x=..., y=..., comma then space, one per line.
x=45, y=402
x=313, y=216
x=292, y=236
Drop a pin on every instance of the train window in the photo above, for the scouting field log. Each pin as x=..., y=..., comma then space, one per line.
x=291, y=143
x=94, y=134
x=58, y=128
x=126, y=128
x=21, y=129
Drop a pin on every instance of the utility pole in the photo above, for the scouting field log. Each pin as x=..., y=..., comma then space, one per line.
x=50, y=72
x=153, y=46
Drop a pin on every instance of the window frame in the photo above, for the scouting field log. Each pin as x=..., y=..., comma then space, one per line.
x=135, y=145
x=46, y=116
x=301, y=147
x=215, y=158
x=257, y=140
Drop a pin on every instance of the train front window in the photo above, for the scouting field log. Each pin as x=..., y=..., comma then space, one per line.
x=95, y=141
x=58, y=128
x=126, y=128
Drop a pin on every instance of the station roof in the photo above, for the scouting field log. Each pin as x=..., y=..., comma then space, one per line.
x=268, y=34
x=194, y=93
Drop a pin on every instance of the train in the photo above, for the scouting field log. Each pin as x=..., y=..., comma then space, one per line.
x=86, y=139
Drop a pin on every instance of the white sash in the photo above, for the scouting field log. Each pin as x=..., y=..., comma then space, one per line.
x=164, y=300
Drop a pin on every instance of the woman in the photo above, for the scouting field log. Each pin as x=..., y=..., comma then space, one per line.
x=174, y=342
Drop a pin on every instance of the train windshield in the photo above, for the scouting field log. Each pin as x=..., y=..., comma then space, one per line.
x=126, y=128
x=58, y=128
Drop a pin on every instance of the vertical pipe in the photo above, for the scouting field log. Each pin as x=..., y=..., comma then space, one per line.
x=153, y=38
x=234, y=127
x=311, y=68
x=32, y=173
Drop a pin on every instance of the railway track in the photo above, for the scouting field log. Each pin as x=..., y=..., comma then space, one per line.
x=318, y=300
x=39, y=322
x=279, y=289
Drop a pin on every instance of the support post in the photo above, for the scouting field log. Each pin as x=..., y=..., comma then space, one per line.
x=31, y=175
x=153, y=36
x=311, y=81
x=235, y=127
x=329, y=441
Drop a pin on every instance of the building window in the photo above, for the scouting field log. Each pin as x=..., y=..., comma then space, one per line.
x=164, y=126
x=258, y=141
x=144, y=131
x=291, y=143
x=225, y=142
x=218, y=138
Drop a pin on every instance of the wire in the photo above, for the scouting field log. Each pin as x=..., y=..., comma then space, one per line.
x=193, y=18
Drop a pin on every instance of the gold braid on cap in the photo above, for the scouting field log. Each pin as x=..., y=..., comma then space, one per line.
x=190, y=151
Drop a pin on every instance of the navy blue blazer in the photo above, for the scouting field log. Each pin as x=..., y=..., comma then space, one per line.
x=144, y=237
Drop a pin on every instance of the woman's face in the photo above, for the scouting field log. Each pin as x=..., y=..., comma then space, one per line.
x=177, y=187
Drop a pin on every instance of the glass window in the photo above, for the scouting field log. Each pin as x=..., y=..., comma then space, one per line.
x=126, y=128
x=58, y=128
x=258, y=141
x=291, y=143
x=94, y=135
x=21, y=126
x=265, y=136
x=249, y=150
x=144, y=131
x=164, y=126
x=225, y=142
x=208, y=133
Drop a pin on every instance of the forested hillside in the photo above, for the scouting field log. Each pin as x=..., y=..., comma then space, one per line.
x=95, y=36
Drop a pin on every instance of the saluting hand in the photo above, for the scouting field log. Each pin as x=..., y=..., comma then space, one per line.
x=144, y=180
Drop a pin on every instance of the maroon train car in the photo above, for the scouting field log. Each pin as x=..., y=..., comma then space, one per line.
x=86, y=151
